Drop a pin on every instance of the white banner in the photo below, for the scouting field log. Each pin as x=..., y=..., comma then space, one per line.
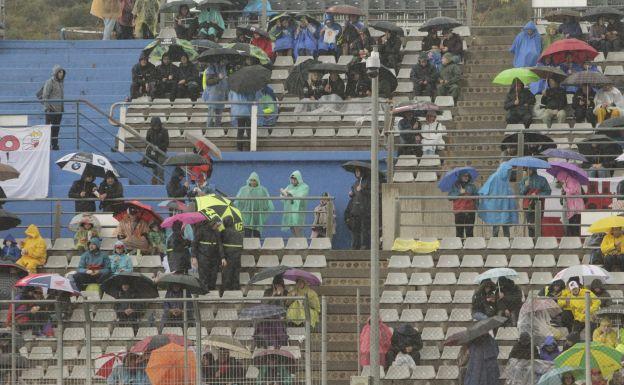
x=559, y=3
x=27, y=149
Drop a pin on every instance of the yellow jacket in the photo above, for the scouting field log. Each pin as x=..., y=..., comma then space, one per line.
x=608, y=244
x=609, y=338
x=34, y=245
x=577, y=303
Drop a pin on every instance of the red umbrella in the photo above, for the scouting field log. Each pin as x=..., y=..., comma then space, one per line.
x=581, y=51
x=147, y=212
x=154, y=342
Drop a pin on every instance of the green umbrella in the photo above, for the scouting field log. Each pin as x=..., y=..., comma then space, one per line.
x=607, y=359
x=250, y=51
x=174, y=46
x=507, y=77
x=553, y=377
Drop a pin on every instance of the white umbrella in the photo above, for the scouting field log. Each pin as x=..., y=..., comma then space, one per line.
x=582, y=271
x=78, y=162
x=74, y=224
x=495, y=274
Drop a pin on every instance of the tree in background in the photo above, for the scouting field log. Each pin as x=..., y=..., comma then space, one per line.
x=43, y=19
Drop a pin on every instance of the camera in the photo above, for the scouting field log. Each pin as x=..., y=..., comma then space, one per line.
x=372, y=64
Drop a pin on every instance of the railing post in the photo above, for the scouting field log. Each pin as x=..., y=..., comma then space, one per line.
x=323, y=340
x=198, y=344
x=538, y=218
x=13, y=341
x=308, y=341
x=397, y=218
x=520, y=150
x=77, y=126
x=329, y=231
x=59, y=342
x=56, y=233
x=390, y=156
x=357, y=326
x=88, y=342
x=588, y=339
x=253, y=131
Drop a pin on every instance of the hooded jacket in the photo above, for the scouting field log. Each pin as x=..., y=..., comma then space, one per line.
x=143, y=74
x=53, y=89
x=525, y=98
x=255, y=212
x=283, y=38
x=498, y=185
x=329, y=25
x=112, y=191
x=526, y=49
x=178, y=254
x=453, y=44
x=120, y=263
x=470, y=190
x=512, y=300
x=11, y=251
x=79, y=186
x=450, y=72
x=522, y=349
x=188, y=72
x=549, y=355
x=157, y=135
x=34, y=245
x=175, y=187
x=94, y=260
x=427, y=73
x=301, y=190
x=306, y=38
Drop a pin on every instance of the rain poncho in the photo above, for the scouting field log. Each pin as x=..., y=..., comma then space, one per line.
x=283, y=37
x=216, y=92
x=211, y=15
x=526, y=49
x=498, y=185
x=133, y=233
x=146, y=12
x=260, y=208
x=549, y=349
x=482, y=367
x=106, y=9
x=611, y=97
x=570, y=186
x=541, y=326
x=254, y=7
x=385, y=338
x=306, y=39
x=577, y=303
x=296, y=311
x=606, y=334
x=34, y=250
x=551, y=35
x=120, y=262
x=518, y=371
x=296, y=218
x=82, y=236
x=329, y=34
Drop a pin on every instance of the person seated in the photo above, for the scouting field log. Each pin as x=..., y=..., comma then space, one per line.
x=277, y=289
x=85, y=232
x=553, y=290
x=583, y=105
x=10, y=252
x=409, y=135
x=450, y=75
x=131, y=371
x=329, y=36
x=129, y=313
x=509, y=299
x=143, y=78
x=599, y=162
x=551, y=35
x=572, y=302
x=188, y=79
x=433, y=133
x=406, y=343
x=94, y=265
x=570, y=28
x=519, y=104
x=262, y=42
x=598, y=288
x=452, y=43
x=431, y=40
x=306, y=37
x=268, y=110
x=30, y=315
x=283, y=36
x=424, y=76
x=390, y=50
x=549, y=349
x=554, y=101
x=605, y=334
x=608, y=103
x=522, y=349
x=334, y=85
x=615, y=28
x=34, y=250
x=223, y=370
x=173, y=312
x=211, y=24
x=166, y=79
x=314, y=88
x=120, y=261
x=295, y=313
x=272, y=371
x=598, y=36
x=363, y=44
x=612, y=248
x=185, y=23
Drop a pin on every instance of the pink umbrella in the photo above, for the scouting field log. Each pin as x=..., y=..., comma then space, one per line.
x=295, y=274
x=185, y=218
x=573, y=170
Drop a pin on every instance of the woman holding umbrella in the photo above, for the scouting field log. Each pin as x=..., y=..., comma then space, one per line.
x=131, y=371
x=570, y=183
x=464, y=207
x=133, y=225
x=499, y=212
x=533, y=185
x=519, y=104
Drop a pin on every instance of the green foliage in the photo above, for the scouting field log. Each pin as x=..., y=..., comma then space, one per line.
x=502, y=13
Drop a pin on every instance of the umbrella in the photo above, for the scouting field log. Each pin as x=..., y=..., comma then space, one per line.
x=606, y=146
x=548, y=72
x=49, y=282
x=353, y=164
x=10, y=273
x=7, y=172
x=213, y=54
x=298, y=77
x=185, y=159
x=564, y=154
x=560, y=15
x=74, y=224
x=585, y=78
x=223, y=208
x=450, y=178
x=251, y=29
x=143, y=286
x=79, y=162
x=387, y=26
x=613, y=122
x=386, y=77
x=8, y=220
x=174, y=6
x=581, y=51
x=475, y=330
x=582, y=271
x=309, y=18
x=229, y=343
x=187, y=282
x=105, y=363
x=414, y=107
x=262, y=311
x=203, y=143
x=166, y=366
x=328, y=67
x=602, y=357
x=496, y=273
x=154, y=342
x=604, y=225
x=528, y=161
x=250, y=50
x=174, y=205
x=203, y=4
x=573, y=170
x=345, y=10
x=249, y=79
x=186, y=219
x=617, y=309
x=174, y=46
x=268, y=273
x=280, y=353
x=507, y=77
x=607, y=12
x=295, y=274
x=534, y=143
x=438, y=23
x=203, y=44
x=553, y=376
x=533, y=305
x=120, y=210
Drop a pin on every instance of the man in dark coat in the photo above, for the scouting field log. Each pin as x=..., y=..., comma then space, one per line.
x=451, y=43
x=208, y=251
x=143, y=78
x=359, y=215
x=83, y=188
x=390, y=50
x=509, y=299
x=232, y=248
x=178, y=254
x=555, y=102
x=424, y=76
x=484, y=301
x=128, y=313
x=407, y=340
x=519, y=104
x=166, y=79
x=583, y=105
x=450, y=76
x=188, y=79
x=482, y=368
x=109, y=189
x=431, y=40
x=157, y=137
x=175, y=187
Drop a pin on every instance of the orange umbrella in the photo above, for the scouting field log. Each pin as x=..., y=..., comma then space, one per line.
x=166, y=366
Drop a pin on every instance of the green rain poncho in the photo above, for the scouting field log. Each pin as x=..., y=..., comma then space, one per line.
x=211, y=15
x=146, y=12
x=260, y=208
x=301, y=190
x=550, y=36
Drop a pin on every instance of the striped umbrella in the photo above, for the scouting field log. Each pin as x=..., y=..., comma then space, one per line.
x=105, y=363
x=586, y=78
x=607, y=359
x=49, y=282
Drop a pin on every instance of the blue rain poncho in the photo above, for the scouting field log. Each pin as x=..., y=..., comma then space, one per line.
x=216, y=92
x=329, y=24
x=498, y=185
x=526, y=49
x=283, y=37
x=306, y=38
x=254, y=7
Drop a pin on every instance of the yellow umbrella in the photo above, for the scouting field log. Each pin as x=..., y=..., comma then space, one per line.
x=601, y=357
x=606, y=224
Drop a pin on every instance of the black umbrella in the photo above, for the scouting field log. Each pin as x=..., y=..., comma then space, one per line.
x=607, y=12
x=267, y=273
x=203, y=4
x=185, y=159
x=586, y=78
x=187, y=282
x=387, y=81
x=560, y=15
x=606, y=146
x=214, y=54
x=441, y=22
x=475, y=330
x=140, y=284
x=298, y=77
x=328, y=67
x=10, y=273
x=549, y=72
x=8, y=220
x=309, y=18
x=249, y=79
x=352, y=165
x=387, y=26
x=534, y=143
x=203, y=44
x=251, y=29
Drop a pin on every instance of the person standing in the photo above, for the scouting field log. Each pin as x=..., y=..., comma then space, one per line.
x=527, y=46
x=207, y=251
x=283, y=36
x=359, y=210
x=464, y=197
x=306, y=37
x=157, y=138
x=232, y=240
x=53, y=93
x=533, y=185
x=81, y=190
x=110, y=189
x=572, y=206
x=145, y=18
x=240, y=112
x=108, y=11
x=499, y=212
x=178, y=256
x=215, y=87
x=294, y=216
x=255, y=211
x=482, y=368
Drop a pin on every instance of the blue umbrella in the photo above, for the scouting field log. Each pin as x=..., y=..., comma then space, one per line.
x=496, y=273
x=553, y=376
x=448, y=180
x=564, y=154
x=528, y=161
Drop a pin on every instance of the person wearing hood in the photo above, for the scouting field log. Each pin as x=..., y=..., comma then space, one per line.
x=522, y=349
x=52, y=94
x=185, y=23
x=283, y=36
x=85, y=232
x=178, y=256
x=549, y=349
x=263, y=42
x=452, y=43
x=570, y=28
x=573, y=300
x=296, y=311
x=554, y=101
x=509, y=299
x=552, y=290
x=306, y=38
x=450, y=75
x=424, y=76
x=232, y=241
x=598, y=36
x=132, y=230
x=385, y=340
x=527, y=46
x=167, y=76
x=572, y=207
x=519, y=104
x=294, y=216
x=157, y=137
x=143, y=78
x=173, y=311
x=207, y=251
x=177, y=187
x=321, y=218
x=350, y=32
x=533, y=186
x=482, y=367
x=609, y=103
x=34, y=250
x=500, y=212
x=463, y=194
x=255, y=211
x=598, y=288
x=390, y=50
x=615, y=28
x=120, y=261
x=240, y=112
x=109, y=189
x=188, y=79
x=10, y=250
x=145, y=18
x=358, y=210
x=551, y=35
x=605, y=334
x=329, y=36
x=94, y=265
x=84, y=188
x=405, y=341
x=209, y=19
x=612, y=249
x=484, y=301
x=215, y=85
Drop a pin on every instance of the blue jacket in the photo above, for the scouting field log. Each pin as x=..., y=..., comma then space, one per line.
x=123, y=375
x=498, y=185
x=526, y=49
x=11, y=251
x=241, y=110
x=329, y=23
x=306, y=38
x=284, y=38
x=97, y=258
x=119, y=262
x=216, y=92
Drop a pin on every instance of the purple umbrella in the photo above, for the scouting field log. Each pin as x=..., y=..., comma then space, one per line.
x=573, y=170
x=295, y=274
x=564, y=154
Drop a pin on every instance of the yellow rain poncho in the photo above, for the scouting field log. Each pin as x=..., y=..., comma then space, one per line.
x=296, y=311
x=577, y=303
x=34, y=250
x=106, y=9
x=605, y=334
x=146, y=12
x=419, y=247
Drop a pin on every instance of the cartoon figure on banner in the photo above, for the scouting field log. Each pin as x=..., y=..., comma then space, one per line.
x=9, y=143
x=32, y=141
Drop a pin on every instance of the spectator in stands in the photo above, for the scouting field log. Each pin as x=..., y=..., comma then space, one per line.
x=554, y=101
x=328, y=36
x=215, y=90
x=533, y=186
x=350, y=33
x=551, y=35
x=178, y=256
x=157, y=138
x=498, y=185
x=614, y=34
x=605, y=334
x=110, y=189
x=277, y=289
x=424, y=76
x=509, y=299
x=207, y=251
x=313, y=89
x=177, y=187
x=431, y=40
x=320, y=222
x=306, y=38
x=570, y=28
x=201, y=186
x=357, y=214
x=30, y=315
x=224, y=370
x=145, y=18
x=598, y=288
x=463, y=194
x=34, y=250
x=390, y=50
x=385, y=340
x=52, y=95
x=211, y=24
x=185, y=23
x=406, y=341
x=549, y=349
x=268, y=110
x=363, y=44
x=173, y=312
x=204, y=170
x=132, y=230
x=553, y=290
x=188, y=79
x=612, y=248
x=333, y=85
x=240, y=112
x=271, y=331
x=482, y=368
x=81, y=190
x=527, y=46
x=572, y=206
x=125, y=22
x=129, y=313
x=255, y=211
x=10, y=251
x=450, y=75
x=583, y=105
x=263, y=42
x=598, y=36
x=108, y=11
x=131, y=371
x=569, y=66
x=85, y=232
x=120, y=261
x=573, y=300
x=432, y=133
x=156, y=240
x=273, y=370
x=519, y=104
x=166, y=79
x=94, y=265
x=599, y=162
x=143, y=78
x=283, y=34
x=294, y=216
x=609, y=103
x=452, y=43
x=522, y=349
x=232, y=241
x=296, y=311
x=409, y=136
